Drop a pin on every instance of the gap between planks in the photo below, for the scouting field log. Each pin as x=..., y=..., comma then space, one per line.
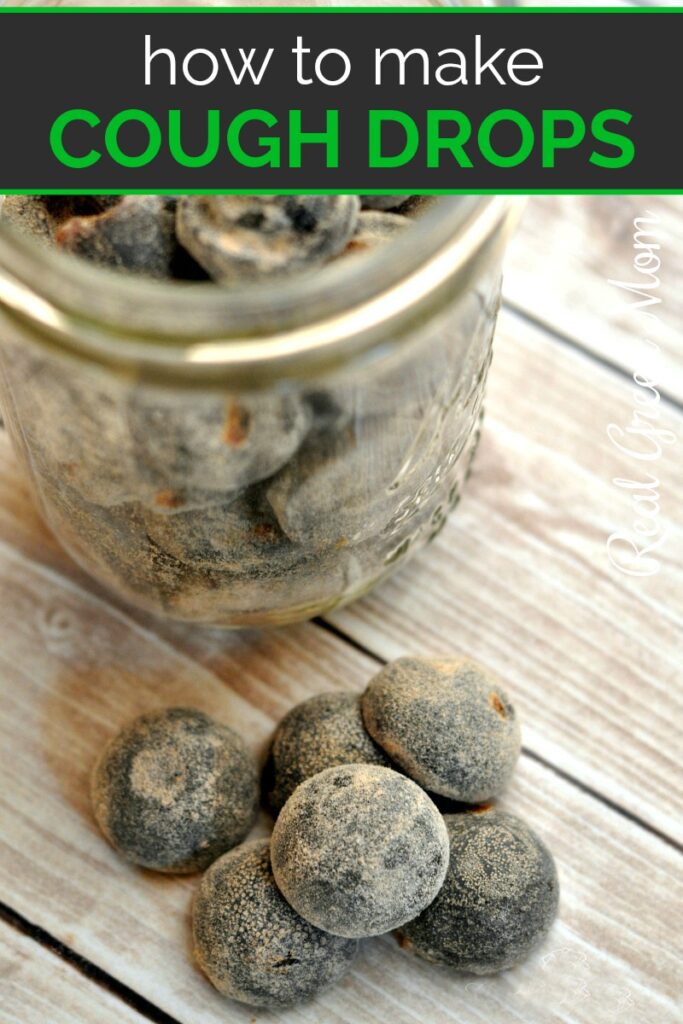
x=571, y=342
x=121, y=993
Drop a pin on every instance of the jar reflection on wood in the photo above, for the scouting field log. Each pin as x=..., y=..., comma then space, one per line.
x=237, y=505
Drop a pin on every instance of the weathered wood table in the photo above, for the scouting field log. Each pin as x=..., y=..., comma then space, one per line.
x=519, y=579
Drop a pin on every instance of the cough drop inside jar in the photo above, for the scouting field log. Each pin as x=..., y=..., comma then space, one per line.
x=246, y=410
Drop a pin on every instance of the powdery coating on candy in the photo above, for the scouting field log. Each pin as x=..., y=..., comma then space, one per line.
x=137, y=235
x=323, y=732
x=213, y=442
x=448, y=724
x=78, y=432
x=174, y=790
x=344, y=485
x=238, y=536
x=28, y=215
x=499, y=899
x=237, y=237
x=113, y=543
x=251, y=944
x=294, y=582
x=358, y=850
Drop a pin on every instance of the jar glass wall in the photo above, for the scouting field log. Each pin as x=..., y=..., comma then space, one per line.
x=261, y=457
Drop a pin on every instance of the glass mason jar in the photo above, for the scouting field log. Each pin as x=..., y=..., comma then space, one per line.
x=253, y=455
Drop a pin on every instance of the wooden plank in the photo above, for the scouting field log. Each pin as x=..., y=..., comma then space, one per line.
x=520, y=580
x=560, y=264
x=72, y=668
x=38, y=987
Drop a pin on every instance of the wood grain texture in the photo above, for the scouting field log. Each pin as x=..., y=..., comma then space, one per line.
x=560, y=264
x=72, y=668
x=37, y=987
x=520, y=580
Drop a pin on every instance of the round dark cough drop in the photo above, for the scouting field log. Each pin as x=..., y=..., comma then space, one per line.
x=358, y=850
x=251, y=237
x=174, y=790
x=323, y=732
x=448, y=724
x=499, y=899
x=136, y=235
x=250, y=943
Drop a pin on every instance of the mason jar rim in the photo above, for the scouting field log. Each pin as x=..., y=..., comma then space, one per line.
x=286, y=327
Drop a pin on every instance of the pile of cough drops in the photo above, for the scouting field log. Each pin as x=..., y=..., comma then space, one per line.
x=382, y=823
x=224, y=238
